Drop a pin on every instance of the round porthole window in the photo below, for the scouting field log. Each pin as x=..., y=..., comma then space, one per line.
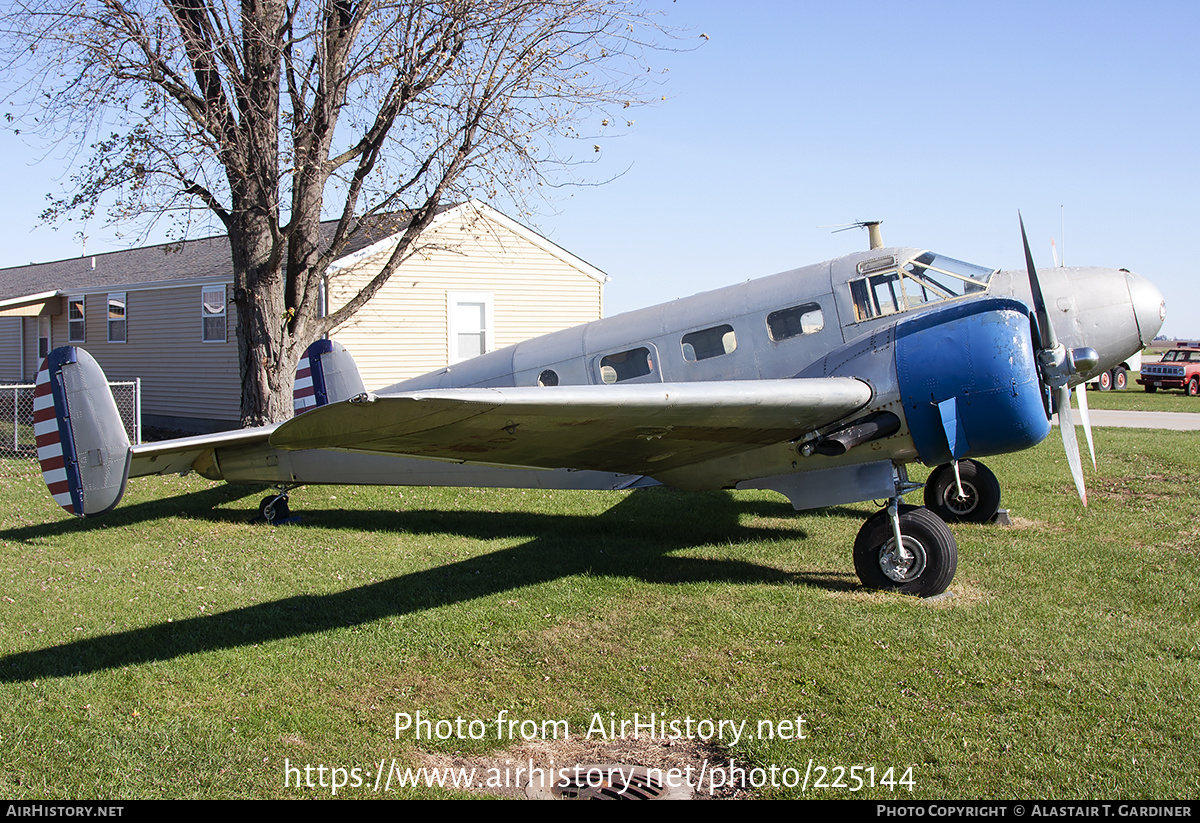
x=548, y=378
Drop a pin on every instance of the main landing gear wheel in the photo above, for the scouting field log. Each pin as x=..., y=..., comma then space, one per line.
x=274, y=507
x=979, y=501
x=923, y=566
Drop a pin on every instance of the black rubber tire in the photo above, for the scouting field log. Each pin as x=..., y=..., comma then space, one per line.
x=1193, y=387
x=1106, y=380
x=274, y=507
x=1120, y=379
x=932, y=556
x=980, y=485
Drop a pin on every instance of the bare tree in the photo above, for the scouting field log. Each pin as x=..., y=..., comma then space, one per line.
x=271, y=114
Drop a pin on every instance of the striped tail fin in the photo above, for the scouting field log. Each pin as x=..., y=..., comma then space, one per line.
x=82, y=445
x=326, y=374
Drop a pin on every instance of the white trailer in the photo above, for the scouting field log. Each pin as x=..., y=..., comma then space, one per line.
x=1118, y=376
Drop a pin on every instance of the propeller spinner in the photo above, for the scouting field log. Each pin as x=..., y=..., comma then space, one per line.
x=1056, y=366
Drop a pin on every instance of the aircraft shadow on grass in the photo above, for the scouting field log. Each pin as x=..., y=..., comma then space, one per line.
x=633, y=539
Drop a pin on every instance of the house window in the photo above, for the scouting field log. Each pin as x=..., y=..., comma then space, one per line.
x=470, y=322
x=212, y=314
x=116, y=318
x=43, y=337
x=795, y=321
x=76, y=322
x=714, y=342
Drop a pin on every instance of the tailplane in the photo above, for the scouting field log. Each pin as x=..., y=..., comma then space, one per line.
x=326, y=374
x=82, y=445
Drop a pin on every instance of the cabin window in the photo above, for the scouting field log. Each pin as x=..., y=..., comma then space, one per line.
x=549, y=377
x=213, y=314
x=626, y=365
x=795, y=321
x=117, y=318
x=76, y=319
x=714, y=342
x=470, y=325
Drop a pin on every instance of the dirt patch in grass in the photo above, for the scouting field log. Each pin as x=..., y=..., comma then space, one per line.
x=500, y=769
x=1151, y=487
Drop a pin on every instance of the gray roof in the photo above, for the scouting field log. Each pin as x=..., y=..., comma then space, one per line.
x=207, y=257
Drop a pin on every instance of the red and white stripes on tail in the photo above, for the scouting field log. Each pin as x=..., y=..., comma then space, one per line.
x=325, y=374
x=82, y=444
x=304, y=394
x=50, y=442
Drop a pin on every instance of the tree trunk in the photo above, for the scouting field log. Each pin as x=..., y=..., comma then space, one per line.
x=266, y=367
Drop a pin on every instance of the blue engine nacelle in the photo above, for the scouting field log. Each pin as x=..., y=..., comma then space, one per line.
x=969, y=382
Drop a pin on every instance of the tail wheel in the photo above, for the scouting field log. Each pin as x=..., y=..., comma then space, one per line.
x=274, y=507
x=923, y=565
x=979, y=501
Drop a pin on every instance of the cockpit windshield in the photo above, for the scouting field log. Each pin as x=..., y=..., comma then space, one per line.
x=927, y=278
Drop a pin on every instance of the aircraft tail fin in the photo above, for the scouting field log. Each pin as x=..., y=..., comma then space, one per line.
x=82, y=445
x=326, y=374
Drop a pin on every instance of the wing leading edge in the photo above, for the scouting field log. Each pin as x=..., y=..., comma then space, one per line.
x=634, y=429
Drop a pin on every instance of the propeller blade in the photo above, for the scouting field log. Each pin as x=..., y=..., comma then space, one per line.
x=1055, y=368
x=1035, y=287
x=1086, y=419
x=1066, y=425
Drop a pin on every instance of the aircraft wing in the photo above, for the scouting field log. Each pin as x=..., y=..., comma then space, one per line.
x=635, y=429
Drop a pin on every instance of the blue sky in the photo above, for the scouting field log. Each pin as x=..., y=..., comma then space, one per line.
x=940, y=118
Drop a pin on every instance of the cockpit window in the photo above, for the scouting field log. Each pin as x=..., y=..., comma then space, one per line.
x=927, y=278
x=947, y=276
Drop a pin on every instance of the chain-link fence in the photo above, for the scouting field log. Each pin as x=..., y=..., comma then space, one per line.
x=16, y=416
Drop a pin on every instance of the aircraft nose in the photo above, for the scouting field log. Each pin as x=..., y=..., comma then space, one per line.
x=1148, y=306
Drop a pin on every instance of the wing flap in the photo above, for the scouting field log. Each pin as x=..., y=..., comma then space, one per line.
x=634, y=429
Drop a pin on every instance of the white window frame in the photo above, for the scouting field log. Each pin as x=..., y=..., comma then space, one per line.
x=205, y=314
x=119, y=298
x=457, y=298
x=82, y=321
x=45, y=329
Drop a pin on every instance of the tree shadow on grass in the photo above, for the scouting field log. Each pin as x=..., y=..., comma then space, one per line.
x=633, y=539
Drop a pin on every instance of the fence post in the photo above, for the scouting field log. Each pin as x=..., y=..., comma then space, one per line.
x=16, y=417
x=137, y=410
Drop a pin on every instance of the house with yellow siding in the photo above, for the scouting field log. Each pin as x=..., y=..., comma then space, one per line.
x=476, y=281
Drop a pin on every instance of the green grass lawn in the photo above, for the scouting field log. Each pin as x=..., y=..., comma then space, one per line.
x=172, y=650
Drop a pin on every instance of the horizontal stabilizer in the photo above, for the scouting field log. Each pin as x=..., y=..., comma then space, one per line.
x=82, y=445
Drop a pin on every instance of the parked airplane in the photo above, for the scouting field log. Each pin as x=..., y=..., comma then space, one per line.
x=821, y=383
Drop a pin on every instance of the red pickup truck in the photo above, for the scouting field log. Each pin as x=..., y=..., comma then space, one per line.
x=1178, y=369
